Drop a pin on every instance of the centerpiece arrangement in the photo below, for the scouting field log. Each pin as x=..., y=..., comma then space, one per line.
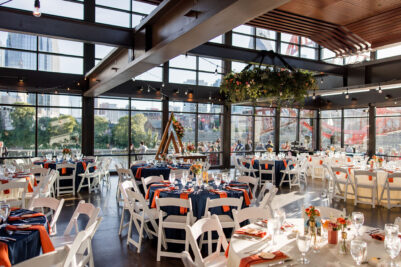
x=191, y=148
x=178, y=128
x=333, y=227
x=269, y=83
x=66, y=152
x=313, y=224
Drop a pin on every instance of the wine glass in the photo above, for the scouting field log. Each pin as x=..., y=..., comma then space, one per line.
x=172, y=178
x=217, y=180
x=11, y=169
x=392, y=247
x=391, y=230
x=358, y=250
x=273, y=225
x=357, y=220
x=303, y=244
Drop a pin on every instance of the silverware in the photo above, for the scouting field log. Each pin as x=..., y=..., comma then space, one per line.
x=7, y=238
x=279, y=262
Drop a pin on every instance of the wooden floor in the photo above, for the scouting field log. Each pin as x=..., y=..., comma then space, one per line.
x=111, y=250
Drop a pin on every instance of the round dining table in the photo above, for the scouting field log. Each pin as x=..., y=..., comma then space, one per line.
x=242, y=247
x=146, y=170
x=21, y=244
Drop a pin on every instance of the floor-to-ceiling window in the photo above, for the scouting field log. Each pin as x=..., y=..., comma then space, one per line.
x=356, y=129
x=288, y=127
x=330, y=129
x=264, y=128
x=388, y=131
x=307, y=124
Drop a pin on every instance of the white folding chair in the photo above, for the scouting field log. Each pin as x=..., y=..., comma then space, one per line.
x=250, y=170
x=225, y=220
x=266, y=186
x=39, y=173
x=140, y=215
x=104, y=170
x=252, y=182
x=187, y=260
x=173, y=222
x=92, y=178
x=270, y=170
x=125, y=175
x=66, y=189
x=55, y=258
x=16, y=193
x=216, y=259
x=87, y=209
x=238, y=166
x=252, y=214
x=317, y=168
x=291, y=174
x=340, y=177
x=365, y=180
x=150, y=180
x=392, y=184
x=55, y=207
x=330, y=213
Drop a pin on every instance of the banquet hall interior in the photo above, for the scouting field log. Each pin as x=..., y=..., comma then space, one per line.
x=200, y=133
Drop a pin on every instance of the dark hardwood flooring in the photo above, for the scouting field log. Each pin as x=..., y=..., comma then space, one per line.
x=111, y=250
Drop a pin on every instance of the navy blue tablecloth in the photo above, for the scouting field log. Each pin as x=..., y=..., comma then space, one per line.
x=79, y=169
x=26, y=246
x=148, y=170
x=279, y=166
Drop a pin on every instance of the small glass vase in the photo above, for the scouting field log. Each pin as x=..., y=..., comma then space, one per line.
x=343, y=247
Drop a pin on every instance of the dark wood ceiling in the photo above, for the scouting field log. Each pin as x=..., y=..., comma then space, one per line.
x=344, y=26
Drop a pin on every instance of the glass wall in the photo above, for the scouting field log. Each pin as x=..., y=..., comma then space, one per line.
x=53, y=120
x=288, y=127
x=264, y=128
x=388, y=131
x=356, y=130
x=307, y=124
x=24, y=51
x=330, y=129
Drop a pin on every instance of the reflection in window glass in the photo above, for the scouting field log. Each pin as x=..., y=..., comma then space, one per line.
x=60, y=64
x=154, y=75
x=217, y=40
x=209, y=132
x=141, y=7
x=388, y=129
x=264, y=133
x=111, y=132
x=330, y=133
x=209, y=79
x=241, y=133
x=210, y=64
x=289, y=49
x=18, y=130
x=265, y=111
x=17, y=40
x=326, y=53
x=210, y=108
x=102, y=50
x=289, y=38
x=262, y=44
x=288, y=112
x=355, y=113
x=265, y=33
x=243, y=110
x=357, y=58
x=184, y=62
x=18, y=59
x=307, y=113
x=111, y=103
x=310, y=53
x=356, y=133
x=15, y=98
x=146, y=127
x=188, y=121
x=61, y=46
x=146, y=105
x=330, y=114
x=307, y=133
x=182, y=76
x=112, y=17
x=182, y=106
x=59, y=128
x=243, y=41
x=308, y=42
x=288, y=132
x=59, y=100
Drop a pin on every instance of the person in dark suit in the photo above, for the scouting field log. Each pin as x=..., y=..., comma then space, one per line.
x=239, y=146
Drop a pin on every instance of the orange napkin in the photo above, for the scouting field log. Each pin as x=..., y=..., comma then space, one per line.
x=157, y=194
x=184, y=195
x=247, y=198
x=46, y=165
x=138, y=173
x=255, y=259
x=7, y=191
x=47, y=245
x=266, y=166
x=321, y=162
x=155, y=185
x=25, y=216
x=84, y=165
x=349, y=159
x=64, y=171
x=4, y=259
x=310, y=158
x=379, y=237
x=30, y=188
x=391, y=179
x=251, y=232
x=285, y=163
x=222, y=194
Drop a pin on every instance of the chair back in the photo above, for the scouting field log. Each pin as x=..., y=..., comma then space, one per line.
x=127, y=175
x=176, y=202
x=16, y=193
x=395, y=176
x=250, y=181
x=53, y=204
x=267, y=163
x=266, y=186
x=236, y=203
x=187, y=260
x=83, y=208
x=54, y=258
x=150, y=180
x=364, y=176
x=38, y=171
x=252, y=214
x=67, y=166
x=203, y=226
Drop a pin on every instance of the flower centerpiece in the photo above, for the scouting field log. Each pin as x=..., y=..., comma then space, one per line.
x=66, y=151
x=191, y=148
x=270, y=149
x=312, y=218
x=342, y=223
x=178, y=128
x=196, y=169
x=380, y=160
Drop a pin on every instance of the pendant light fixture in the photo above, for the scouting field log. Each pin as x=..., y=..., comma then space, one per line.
x=36, y=10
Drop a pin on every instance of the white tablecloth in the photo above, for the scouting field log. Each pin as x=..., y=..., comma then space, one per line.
x=328, y=253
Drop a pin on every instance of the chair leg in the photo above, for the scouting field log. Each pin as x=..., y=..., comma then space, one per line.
x=129, y=230
x=121, y=222
x=159, y=241
x=388, y=197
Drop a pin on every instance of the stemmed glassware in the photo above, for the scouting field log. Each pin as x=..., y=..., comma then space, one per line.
x=11, y=169
x=59, y=157
x=172, y=178
x=280, y=215
x=392, y=246
x=4, y=211
x=303, y=244
x=273, y=226
x=217, y=180
x=358, y=250
x=357, y=220
x=391, y=230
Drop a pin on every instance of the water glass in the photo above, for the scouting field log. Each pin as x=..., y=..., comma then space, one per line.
x=358, y=250
x=217, y=180
x=392, y=247
x=4, y=211
x=391, y=230
x=172, y=178
x=273, y=226
x=280, y=215
x=357, y=220
x=303, y=244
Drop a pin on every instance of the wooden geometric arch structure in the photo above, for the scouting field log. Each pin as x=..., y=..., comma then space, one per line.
x=169, y=135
